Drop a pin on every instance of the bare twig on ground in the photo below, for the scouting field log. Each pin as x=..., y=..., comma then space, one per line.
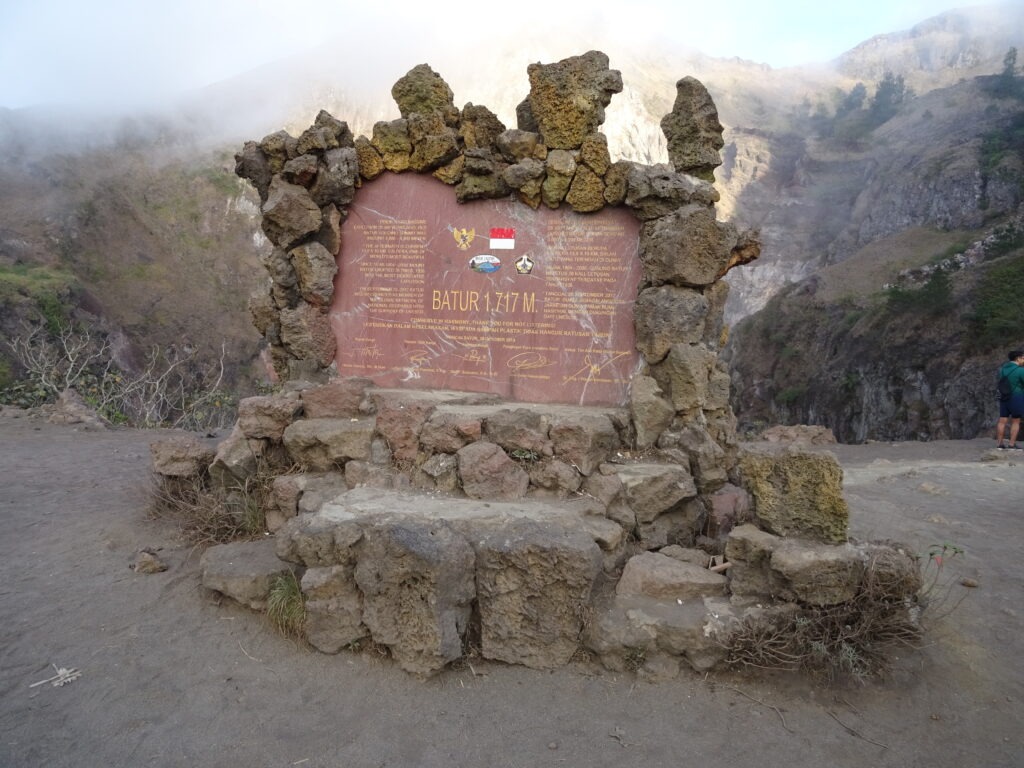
x=763, y=704
x=258, y=661
x=617, y=734
x=852, y=732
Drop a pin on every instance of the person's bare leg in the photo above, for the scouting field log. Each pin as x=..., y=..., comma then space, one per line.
x=1000, y=429
x=1014, y=429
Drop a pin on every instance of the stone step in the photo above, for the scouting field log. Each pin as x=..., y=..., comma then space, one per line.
x=422, y=564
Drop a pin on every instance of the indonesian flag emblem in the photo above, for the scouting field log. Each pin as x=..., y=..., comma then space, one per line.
x=502, y=239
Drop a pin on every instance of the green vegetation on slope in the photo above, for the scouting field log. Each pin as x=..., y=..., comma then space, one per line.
x=998, y=315
x=935, y=297
x=49, y=289
x=854, y=115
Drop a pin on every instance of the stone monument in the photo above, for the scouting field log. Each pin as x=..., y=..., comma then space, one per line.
x=503, y=392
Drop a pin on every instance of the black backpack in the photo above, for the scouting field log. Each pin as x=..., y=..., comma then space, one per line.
x=1003, y=388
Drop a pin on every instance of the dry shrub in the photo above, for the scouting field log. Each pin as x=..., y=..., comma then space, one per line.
x=852, y=640
x=172, y=387
x=210, y=512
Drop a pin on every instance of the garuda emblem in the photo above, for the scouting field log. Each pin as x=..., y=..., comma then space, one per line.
x=463, y=237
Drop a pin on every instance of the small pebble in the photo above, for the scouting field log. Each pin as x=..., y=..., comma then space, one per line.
x=147, y=562
x=553, y=745
x=969, y=583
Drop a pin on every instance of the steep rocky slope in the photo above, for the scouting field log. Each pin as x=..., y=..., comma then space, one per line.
x=898, y=342
x=821, y=199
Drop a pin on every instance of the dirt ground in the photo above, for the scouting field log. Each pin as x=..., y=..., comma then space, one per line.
x=170, y=676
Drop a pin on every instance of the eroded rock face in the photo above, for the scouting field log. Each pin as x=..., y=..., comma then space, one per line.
x=391, y=141
x=406, y=571
x=668, y=315
x=306, y=492
x=750, y=549
x=314, y=269
x=817, y=574
x=655, y=575
x=651, y=411
x=236, y=457
x=651, y=489
x=336, y=177
x=339, y=398
x=446, y=432
x=814, y=573
x=520, y=430
x=636, y=628
x=267, y=416
x=584, y=439
x=402, y=414
x=306, y=334
x=434, y=143
x=480, y=128
x=653, y=191
x=534, y=583
x=686, y=247
x=686, y=377
x=334, y=608
x=253, y=165
x=487, y=472
x=417, y=584
x=586, y=192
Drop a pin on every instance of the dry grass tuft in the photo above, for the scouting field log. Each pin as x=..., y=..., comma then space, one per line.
x=209, y=512
x=286, y=606
x=851, y=640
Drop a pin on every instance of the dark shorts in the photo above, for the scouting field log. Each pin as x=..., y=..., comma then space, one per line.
x=1014, y=408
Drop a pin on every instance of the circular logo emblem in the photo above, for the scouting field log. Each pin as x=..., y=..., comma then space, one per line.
x=485, y=263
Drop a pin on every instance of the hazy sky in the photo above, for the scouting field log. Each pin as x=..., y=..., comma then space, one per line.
x=113, y=51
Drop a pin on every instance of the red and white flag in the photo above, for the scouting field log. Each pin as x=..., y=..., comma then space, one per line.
x=502, y=239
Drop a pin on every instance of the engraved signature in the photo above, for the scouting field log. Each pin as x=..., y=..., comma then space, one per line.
x=367, y=353
x=526, y=361
x=474, y=356
x=591, y=368
x=418, y=356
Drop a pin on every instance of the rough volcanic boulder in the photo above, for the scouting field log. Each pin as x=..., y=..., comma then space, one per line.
x=693, y=131
x=567, y=99
x=796, y=492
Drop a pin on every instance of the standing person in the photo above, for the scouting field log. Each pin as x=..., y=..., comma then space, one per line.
x=1011, y=410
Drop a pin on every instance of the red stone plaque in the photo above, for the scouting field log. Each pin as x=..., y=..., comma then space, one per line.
x=485, y=296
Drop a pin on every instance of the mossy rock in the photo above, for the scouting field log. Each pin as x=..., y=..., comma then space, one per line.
x=796, y=492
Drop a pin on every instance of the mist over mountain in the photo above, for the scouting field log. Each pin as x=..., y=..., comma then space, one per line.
x=140, y=219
